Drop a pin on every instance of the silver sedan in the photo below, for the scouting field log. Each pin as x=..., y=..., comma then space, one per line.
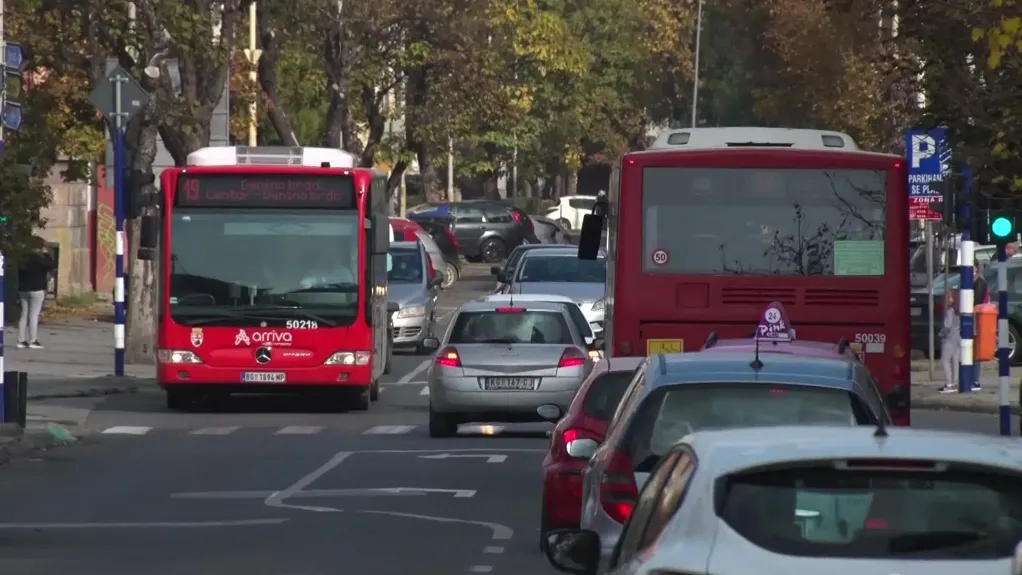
x=499, y=362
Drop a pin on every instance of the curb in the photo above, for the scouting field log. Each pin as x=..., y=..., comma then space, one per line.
x=937, y=405
x=97, y=392
x=20, y=443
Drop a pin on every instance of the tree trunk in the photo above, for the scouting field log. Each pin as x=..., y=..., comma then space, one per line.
x=269, y=82
x=427, y=171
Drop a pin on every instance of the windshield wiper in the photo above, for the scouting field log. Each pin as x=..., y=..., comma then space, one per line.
x=328, y=287
x=263, y=313
x=296, y=311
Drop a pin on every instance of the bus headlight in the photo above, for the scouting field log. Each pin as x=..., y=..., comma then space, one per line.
x=348, y=358
x=413, y=311
x=598, y=306
x=176, y=356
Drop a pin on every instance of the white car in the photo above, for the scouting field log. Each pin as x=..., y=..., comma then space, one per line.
x=570, y=210
x=834, y=500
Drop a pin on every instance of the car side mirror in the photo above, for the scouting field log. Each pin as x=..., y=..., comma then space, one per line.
x=596, y=345
x=494, y=270
x=393, y=307
x=430, y=344
x=898, y=398
x=574, y=550
x=502, y=277
x=549, y=412
x=436, y=282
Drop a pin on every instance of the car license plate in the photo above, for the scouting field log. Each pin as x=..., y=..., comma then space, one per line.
x=263, y=377
x=655, y=346
x=510, y=383
x=917, y=311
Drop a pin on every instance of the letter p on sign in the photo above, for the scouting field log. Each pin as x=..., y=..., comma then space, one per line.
x=923, y=147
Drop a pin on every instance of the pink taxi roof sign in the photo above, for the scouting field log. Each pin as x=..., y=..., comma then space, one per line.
x=774, y=324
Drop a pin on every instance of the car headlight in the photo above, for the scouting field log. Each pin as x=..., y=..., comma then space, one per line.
x=598, y=306
x=412, y=311
x=176, y=356
x=348, y=358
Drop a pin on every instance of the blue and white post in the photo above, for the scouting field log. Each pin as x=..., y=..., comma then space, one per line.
x=3, y=412
x=1003, y=349
x=966, y=307
x=119, y=157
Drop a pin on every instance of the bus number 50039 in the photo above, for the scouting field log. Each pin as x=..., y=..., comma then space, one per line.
x=870, y=338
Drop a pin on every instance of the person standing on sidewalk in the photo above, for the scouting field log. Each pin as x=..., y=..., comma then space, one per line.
x=33, y=275
x=950, y=342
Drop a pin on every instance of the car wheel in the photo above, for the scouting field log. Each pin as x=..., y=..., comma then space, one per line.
x=565, y=224
x=451, y=274
x=180, y=400
x=360, y=399
x=442, y=424
x=374, y=391
x=1014, y=343
x=493, y=250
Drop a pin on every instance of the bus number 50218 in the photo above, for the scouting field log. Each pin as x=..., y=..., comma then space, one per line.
x=301, y=324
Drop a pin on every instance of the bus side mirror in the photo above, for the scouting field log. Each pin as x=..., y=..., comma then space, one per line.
x=589, y=240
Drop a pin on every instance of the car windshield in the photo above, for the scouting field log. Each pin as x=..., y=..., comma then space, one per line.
x=671, y=413
x=540, y=268
x=605, y=393
x=406, y=268
x=235, y=262
x=826, y=511
x=511, y=327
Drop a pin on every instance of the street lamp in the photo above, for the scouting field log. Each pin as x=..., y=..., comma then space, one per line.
x=695, y=74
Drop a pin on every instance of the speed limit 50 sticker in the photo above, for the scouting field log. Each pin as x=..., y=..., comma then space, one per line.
x=660, y=257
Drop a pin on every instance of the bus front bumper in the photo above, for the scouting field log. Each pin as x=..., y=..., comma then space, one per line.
x=262, y=379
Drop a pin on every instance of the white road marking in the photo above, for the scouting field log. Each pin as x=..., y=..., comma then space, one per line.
x=389, y=430
x=459, y=450
x=299, y=430
x=498, y=532
x=415, y=372
x=215, y=431
x=418, y=382
x=480, y=429
x=425, y=391
x=493, y=549
x=277, y=498
x=143, y=525
x=314, y=493
x=488, y=457
x=480, y=569
x=127, y=430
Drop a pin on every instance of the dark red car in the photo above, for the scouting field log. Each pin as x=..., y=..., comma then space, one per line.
x=576, y=437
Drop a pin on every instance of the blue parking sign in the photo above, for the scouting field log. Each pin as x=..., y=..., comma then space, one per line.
x=929, y=164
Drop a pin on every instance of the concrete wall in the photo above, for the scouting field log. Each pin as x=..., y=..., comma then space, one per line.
x=67, y=225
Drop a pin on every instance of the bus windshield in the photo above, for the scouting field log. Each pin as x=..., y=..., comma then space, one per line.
x=764, y=221
x=263, y=259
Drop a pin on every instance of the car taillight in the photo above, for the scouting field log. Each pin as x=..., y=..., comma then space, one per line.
x=572, y=357
x=516, y=216
x=449, y=357
x=510, y=309
x=571, y=436
x=618, y=491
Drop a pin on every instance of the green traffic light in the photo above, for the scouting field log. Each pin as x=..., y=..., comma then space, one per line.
x=1001, y=227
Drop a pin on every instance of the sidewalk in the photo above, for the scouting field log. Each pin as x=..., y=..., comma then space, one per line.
x=78, y=361
x=926, y=395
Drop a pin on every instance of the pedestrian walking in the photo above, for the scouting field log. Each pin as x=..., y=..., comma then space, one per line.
x=950, y=342
x=33, y=276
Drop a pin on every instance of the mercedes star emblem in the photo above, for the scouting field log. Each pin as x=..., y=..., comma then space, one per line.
x=263, y=355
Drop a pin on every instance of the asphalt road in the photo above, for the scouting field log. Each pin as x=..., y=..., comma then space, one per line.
x=275, y=487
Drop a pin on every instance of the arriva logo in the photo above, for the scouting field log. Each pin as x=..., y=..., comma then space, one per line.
x=262, y=337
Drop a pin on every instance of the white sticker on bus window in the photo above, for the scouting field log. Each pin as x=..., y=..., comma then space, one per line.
x=858, y=258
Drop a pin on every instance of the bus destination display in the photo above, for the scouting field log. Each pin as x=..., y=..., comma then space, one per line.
x=266, y=191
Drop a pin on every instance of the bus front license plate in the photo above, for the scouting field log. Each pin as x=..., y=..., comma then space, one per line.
x=263, y=377
x=654, y=346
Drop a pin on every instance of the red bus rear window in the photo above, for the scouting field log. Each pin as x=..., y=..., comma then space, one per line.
x=764, y=221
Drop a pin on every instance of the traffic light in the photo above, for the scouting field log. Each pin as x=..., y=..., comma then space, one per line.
x=1002, y=227
x=11, y=86
x=139, y=193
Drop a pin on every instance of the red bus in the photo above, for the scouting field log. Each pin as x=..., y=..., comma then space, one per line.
x=273, y=276
x=710, y=225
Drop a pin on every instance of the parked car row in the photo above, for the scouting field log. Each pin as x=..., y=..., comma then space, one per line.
x=483, y=230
